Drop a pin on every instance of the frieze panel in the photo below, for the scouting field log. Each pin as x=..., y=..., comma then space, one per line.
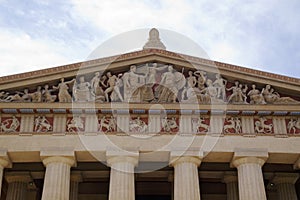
x=263, y=125
x=10, y=124
x=107, y=124
x=232, y=125
x=43, y=124
x=151, y=83
x=75, y=124
x=293, y=126
x=200, y=125
x=170, y=124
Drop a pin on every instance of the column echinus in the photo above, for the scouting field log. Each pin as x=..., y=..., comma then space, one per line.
x=17, y=185
x=249, y=164
x=186, y=176
x=4, y=163
x=58, y=165
x=285, y=185
x=122, y=164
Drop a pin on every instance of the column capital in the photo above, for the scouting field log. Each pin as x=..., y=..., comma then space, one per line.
x=186, y=155
x=230, y=177
x=297, y=164
x=4, y=159
x=11, y=177
x=117, y=155
x=59, y=159
x=185, y=159
x=285, y=178
x=123, y=159
x=247, y=156
x=58, y=155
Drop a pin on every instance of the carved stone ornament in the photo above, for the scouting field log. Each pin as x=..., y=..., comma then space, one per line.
x=42, y=124
x=293, y=126
x=199, y=125
x=137, y=125
x=262, y=126
x=107, y=124
x=10, y=124
x=169, y=124
x=75, y=124
x=233, y=125
x=154, y=41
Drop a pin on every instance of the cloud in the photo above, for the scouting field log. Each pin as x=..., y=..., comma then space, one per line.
x=21, y=53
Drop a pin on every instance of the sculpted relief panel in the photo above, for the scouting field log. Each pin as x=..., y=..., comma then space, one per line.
x=151, y=83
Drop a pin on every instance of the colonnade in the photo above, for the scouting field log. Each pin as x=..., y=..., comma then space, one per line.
x=59, y=184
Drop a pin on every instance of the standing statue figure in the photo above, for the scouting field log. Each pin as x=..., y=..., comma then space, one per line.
x=171, y=82
x=113, y=86
x=63, y=93
x=238, y=93
x=220, y=84
x=133, y=85
x=255, y=96
x=96, y=90
x=201, y=79
x=26, y=97
x=191, y=80
x=47, y=96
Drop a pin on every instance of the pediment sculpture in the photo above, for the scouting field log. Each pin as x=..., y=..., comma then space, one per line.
x=151, y=83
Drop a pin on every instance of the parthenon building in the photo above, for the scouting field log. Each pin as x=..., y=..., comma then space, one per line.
x=149, y=124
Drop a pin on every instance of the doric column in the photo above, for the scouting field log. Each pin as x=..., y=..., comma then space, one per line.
x=76, y=178
x=57, y=176
x=231, y=181
x=250, y=177
x=121, y=184
x=186, y=176
x=17, y=185
x=285, y=184
x=4, y=162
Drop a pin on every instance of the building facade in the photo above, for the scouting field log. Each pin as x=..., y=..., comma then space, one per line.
x=150, y=124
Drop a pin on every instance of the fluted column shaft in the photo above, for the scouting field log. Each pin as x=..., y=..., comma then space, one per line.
x=75, y=179
x=17, y=185
x=3, y=163
x=250, y=177
x=121, y=184
x=186, y=178
x=16, y=191
x=57, y=178
x=285, y=184
x=231, y=181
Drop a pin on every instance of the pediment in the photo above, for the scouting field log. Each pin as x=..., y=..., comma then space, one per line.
x=285, y=88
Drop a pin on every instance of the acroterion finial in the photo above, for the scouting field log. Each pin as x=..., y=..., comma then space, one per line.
x=154, y=41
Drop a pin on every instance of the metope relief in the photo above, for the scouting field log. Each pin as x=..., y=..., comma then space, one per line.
x=200, y=125
x=75, y=124
x=10, y=124
x=43, y=124
x=262, y=125
x=107, y=124
x=138, y=125
x=293, y=125
x=233, y=125
x=169, y=124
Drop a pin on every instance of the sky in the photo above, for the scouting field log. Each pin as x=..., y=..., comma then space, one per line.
x=259, y=34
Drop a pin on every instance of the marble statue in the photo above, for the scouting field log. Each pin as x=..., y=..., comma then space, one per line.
x=137, y=125
x=133, y=85
x=238, y=93
x=107, y=124
x=81, y=90
x=220, y=85
x=63, y=90
x=171, y=82
x=96, y=89
x=10, y=125
x=262, y=127
x=41, y=124
x=256, y=96
x=114, y=84
x=37, y=95
x=47, y=96
x=234, y=124
x=272, y=97
x=201, y=79
x=169, y=124
x=3, y=96
x=293, y=125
